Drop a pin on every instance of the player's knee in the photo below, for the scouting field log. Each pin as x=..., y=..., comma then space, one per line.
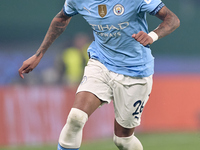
x=76, y=119
x=71, y=133
x=127, y=143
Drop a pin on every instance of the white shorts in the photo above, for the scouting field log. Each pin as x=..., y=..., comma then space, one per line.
x=129, y=94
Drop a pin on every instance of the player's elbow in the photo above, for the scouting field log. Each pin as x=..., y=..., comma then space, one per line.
x=177, y=22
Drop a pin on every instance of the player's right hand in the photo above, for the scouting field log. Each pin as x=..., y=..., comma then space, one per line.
x=29, y=64
x=143, y=38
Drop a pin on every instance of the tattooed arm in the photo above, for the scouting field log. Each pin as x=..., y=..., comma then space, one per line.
x=169, y=23
x=58, y=25
x=56, y=28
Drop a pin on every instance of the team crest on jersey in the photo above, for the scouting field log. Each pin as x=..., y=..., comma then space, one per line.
x=118, y=9
x=102, y=9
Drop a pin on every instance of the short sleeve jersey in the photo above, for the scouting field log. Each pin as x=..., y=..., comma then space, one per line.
x=113, y=23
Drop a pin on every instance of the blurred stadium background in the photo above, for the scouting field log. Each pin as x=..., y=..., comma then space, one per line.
x=34, y=110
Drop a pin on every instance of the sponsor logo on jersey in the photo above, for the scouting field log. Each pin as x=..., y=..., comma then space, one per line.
x=104, y=30
x=118, y=9
x=120, y=26
x=102, y=9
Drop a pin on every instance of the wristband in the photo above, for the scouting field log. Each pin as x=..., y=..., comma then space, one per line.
x=153, y=35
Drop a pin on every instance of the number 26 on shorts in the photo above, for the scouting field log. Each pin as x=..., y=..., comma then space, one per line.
x=139, y=105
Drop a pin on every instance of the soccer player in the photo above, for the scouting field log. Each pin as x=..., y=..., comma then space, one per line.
x=120, y=67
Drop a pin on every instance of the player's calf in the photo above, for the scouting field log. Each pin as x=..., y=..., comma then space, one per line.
x=127, y=143
x=71, y=134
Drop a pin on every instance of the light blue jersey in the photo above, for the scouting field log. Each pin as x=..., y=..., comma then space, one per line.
x=113, y=23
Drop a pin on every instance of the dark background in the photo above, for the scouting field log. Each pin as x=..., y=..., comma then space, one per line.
x=23, y=25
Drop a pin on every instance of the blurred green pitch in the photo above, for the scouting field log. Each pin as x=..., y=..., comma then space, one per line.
x=164, y=141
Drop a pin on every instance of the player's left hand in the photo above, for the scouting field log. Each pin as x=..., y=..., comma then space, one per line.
x=29, y=64
x=143, y=38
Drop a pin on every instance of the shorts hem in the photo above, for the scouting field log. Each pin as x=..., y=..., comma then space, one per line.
x=127, y=126
x=99, y=97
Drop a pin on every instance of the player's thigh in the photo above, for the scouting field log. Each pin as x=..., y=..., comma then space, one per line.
x=93, y=90
x=129, y=101
x=95, y=81
x=87, y=102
